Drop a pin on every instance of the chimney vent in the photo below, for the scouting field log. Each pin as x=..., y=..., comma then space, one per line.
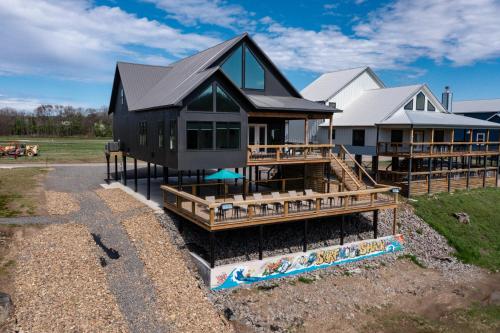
x=447, y=99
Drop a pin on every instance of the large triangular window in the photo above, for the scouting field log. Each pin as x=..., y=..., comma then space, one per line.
x=233, y=67
x=409, y=105
x=243, y=68
x=203, y=102
x=224, y=103
x=254, y=73
x=420, y=103
x=430, y=106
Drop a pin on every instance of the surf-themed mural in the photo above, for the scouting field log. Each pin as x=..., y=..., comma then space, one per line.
x=229, y=276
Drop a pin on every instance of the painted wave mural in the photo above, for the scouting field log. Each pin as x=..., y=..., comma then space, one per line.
x=233, y=275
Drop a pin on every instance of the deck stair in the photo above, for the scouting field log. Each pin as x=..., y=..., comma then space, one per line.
x=351, y=174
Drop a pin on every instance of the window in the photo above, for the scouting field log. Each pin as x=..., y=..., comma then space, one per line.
x=438, y=135
x=161, y=134
x=224, y=103
x=203, y=102
x=480, y=137
x=420, y=104
x=122, y=95
x=396, y=136
x=358, y=137
x=333, y=134
x=143, y=133
x=232, y=67
x=430, y=107
x=228, y=135
x=254, y=73
x=247, y=74
x=172, y=134
x=199, y=134
x=409, y=106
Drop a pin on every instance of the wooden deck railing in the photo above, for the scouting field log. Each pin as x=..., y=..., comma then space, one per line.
x=234, y=214
x=287, y=154
x=417, y=149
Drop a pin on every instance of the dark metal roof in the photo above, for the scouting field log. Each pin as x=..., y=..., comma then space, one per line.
x=288, y=103
x=148, y=87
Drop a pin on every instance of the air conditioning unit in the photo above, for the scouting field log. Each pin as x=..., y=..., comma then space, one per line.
x=112, y=146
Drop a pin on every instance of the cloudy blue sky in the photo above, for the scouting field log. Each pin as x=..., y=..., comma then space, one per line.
x=64, y=51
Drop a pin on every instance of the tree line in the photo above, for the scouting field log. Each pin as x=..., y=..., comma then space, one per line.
x=56, y=120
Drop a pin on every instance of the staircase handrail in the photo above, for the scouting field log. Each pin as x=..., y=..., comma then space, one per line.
x=353, y=177
x=344, y=150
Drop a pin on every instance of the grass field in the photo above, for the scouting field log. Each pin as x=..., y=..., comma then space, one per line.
x=475, y=243
x=59, y=150
x=20, y=192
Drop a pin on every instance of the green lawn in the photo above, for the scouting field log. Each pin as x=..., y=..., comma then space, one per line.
x=59, y=150
x=20, y=191
x=475, y=243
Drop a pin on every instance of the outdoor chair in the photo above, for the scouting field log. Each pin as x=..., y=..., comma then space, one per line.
x=211, y=199
x=264, y=206
x=238, y=208
x=279, y=204
x=296, y=203
x=311, y=201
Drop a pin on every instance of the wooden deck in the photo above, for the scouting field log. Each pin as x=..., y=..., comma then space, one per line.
x=231, y=214
x=288, y=154
x=438, y=149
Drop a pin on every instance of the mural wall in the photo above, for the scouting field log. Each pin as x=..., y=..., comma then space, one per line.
x=232, y=275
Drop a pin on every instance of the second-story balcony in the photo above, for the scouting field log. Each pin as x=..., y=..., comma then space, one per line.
x=437, y=149
x=288, y=154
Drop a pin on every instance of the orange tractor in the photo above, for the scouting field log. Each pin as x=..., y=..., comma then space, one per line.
x=18, y=149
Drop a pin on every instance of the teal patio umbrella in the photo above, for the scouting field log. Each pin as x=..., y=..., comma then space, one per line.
x=224, y=174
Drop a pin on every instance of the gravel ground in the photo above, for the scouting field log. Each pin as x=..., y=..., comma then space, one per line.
x=60, y=203
x=181, y=298
x=118, y=201
x=58, y=272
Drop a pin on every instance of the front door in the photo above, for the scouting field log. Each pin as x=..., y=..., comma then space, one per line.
x=257, y=134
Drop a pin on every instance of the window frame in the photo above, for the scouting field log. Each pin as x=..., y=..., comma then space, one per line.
x=161, y=134
x=358, y=130
x=172, y=135
x=214, y=85
x=227, y=130
x=143, y=133
x=244, y=48
x=199, y=139
x=416, y=101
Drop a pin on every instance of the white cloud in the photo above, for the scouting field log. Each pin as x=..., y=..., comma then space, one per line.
x=74, y=39
x=461, y=32
x=22, y=104
x=213, y=12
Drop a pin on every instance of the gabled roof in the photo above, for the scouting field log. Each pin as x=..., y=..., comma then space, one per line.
x=435, y=119
x=329, y=84
x=148, y=87
x=374, y=105
x=479, y=105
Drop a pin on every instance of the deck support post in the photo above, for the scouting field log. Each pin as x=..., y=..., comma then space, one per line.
x=107, y=168
x=304, y=244
x=394, y=220
x=342, y=222
x=375, y=166
x=375, y=223
x=198, y=176
x=179, y=179
x=429, y=183
x=485, y=168
x=135, y=174
x=116, y=167
x=261, y=241
x=148, y=190
x=203, y=174
x=469, y=161
x=212, y=248
x=165, y=175
x=124, y=169
x=250, y=179
x=236, y=179
x=154, y=171
x=328, y=176
x=257, y=178
x=449, y=173
x=410, y=160
x=498, y=170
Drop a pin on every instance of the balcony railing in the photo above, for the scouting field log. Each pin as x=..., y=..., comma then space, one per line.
x=438, y=148
x=230, y=213
x=287, y=154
